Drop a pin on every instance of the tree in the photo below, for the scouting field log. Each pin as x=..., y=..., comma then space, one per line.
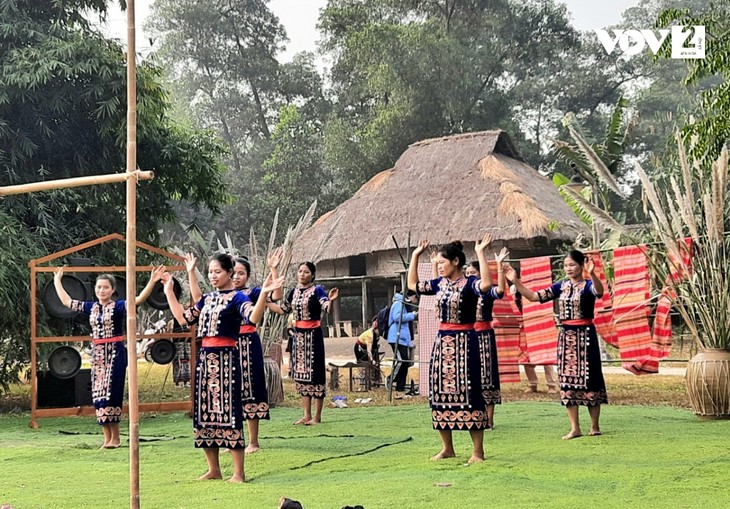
x=407, y=70
x=711, y=128
x=221, y=57
x=63, y=114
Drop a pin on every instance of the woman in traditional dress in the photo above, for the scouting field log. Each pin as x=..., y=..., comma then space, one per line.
x=217, y=412
x=308, y=301
x=491, y=390
x=254, y=396
x=109, y=357
x=455, y=383
x=579, y=355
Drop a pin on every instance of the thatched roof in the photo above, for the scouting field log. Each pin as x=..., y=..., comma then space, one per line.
x=456, y=187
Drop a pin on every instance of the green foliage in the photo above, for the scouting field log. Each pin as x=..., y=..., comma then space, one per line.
x=63, y=114
x=222, y=65
x=405, y=71
x=709, y=131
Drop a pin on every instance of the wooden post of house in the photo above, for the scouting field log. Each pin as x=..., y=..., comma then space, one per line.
x=364, y=284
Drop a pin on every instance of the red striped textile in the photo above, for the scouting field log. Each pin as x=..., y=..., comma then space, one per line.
x=661, y=344
x=428, y=326
x=506, y=321
x=630, y=298
x=604, y=310
x=541, y=335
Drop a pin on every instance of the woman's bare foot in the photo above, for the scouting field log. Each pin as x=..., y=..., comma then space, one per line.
x=252, y=448
x=476, y=458
x=303, y=420
x=210, y=475
x=572, y=434
x=236, y=479
x=443, y=455
x=312, y=422
x=594, y=433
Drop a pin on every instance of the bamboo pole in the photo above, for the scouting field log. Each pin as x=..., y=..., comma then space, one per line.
x=49, y=185
x=131, y=249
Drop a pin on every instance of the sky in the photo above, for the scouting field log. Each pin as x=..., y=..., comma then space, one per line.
x=299, y=17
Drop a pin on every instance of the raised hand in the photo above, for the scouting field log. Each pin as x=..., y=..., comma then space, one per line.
x=168, y=283
x=157, y=273
x=481, y=245
x=422, y=245
x=190, y=262
x=58, y=274
x=273, y=259
x=509, y=272
x=499, y=258
x=590, y=265
x=272, y=284
x=333, y=293
x=433, y=255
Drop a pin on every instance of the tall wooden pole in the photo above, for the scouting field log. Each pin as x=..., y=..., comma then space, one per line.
x=132, y=259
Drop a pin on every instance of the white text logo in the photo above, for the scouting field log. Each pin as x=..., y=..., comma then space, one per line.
x=687, y=42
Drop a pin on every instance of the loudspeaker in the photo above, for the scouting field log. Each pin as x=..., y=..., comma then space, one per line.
x=75, y=289
x=157, y=298
x=56, y=392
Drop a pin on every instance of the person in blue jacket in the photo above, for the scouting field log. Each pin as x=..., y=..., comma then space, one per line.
x=399, y=333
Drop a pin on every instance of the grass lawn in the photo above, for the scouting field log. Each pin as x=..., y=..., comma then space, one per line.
x=378, y=456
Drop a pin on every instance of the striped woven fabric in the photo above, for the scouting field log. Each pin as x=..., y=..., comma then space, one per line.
x=541, y=335
x=603, y=311
x=506, y=322
x=630, y=298
x=661, y=340
x=661, y=337
x=427, y=329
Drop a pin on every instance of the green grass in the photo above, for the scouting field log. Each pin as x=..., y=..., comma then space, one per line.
x=648, y=457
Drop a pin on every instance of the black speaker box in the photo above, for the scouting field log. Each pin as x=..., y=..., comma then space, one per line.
x=64, y=393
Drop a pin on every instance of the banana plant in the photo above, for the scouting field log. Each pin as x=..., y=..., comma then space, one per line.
x=596, y=164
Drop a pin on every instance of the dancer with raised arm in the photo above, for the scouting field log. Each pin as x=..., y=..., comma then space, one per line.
x=109, y=357
x=489, y=362
x=217, y=406
x=254, y=396
x=308, y=301
x=579, y=355
x=455, y=384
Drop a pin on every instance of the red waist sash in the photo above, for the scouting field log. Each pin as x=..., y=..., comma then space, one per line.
x=578, y=323
x=247, y=329
x=456, y=326
x=307, y=324
x=482, y=326
x=217, y=341
x=108, y=340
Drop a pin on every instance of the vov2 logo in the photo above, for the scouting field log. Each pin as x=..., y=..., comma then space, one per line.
x=687, y=42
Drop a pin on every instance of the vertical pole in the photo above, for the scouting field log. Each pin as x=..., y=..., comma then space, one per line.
x=131, y=257
x=33, y=346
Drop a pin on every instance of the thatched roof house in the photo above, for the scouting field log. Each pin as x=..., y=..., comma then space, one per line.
x=455, y=187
